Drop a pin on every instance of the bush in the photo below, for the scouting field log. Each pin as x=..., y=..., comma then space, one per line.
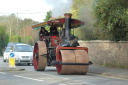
x=15, y=38
x=27, y=40
x=112, y=18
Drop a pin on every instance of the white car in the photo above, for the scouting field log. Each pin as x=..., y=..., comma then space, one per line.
x=32, y=47
x=23, y=53
x=6, y=54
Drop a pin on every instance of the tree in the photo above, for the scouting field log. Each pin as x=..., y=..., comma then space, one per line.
x=3, y=38
x=48, y=16
x=15, y=38
x=82, y=10
x=10, y=23
x=112, y=18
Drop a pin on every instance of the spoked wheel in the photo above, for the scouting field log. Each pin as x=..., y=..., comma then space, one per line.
x=72, y=56
x=39, y=56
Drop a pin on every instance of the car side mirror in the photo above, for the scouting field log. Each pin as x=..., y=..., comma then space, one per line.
x=11, y=51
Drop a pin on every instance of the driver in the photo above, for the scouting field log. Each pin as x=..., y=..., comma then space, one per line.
x=53, y=31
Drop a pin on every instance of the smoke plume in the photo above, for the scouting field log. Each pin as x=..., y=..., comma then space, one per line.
x=60, y=7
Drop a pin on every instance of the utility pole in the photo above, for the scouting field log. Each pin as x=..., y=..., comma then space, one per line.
x=17, y=24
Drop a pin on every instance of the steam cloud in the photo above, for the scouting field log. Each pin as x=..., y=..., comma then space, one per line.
x=60, y=7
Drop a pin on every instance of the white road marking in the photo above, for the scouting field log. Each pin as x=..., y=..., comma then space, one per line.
x=28, y=70
x=2, y=72
x=77, y=83
x=84, y=83
x=88, y=83
x=28, y=78
x=110, y=76
x=54, y=76
x=67, y=79
x=62, y=84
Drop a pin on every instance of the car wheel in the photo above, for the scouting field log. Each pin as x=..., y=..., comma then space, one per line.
x=28, y=63
x=4, y=60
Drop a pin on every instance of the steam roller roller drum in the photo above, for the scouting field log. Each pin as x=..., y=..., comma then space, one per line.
x=39, y=59
x=72, y=56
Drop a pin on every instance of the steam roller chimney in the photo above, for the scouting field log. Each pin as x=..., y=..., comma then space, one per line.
x=67, y=24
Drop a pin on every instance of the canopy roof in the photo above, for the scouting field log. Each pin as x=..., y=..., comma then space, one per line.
x=59, y=23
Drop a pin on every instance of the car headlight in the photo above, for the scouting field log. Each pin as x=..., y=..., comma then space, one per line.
x=31, y=57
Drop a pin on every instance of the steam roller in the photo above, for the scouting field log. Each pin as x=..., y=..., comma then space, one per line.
x=63, y=50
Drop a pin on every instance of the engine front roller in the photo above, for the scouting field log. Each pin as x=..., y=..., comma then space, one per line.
x=39, y=56
x=72, y=60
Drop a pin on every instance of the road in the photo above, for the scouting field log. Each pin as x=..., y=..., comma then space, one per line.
x=50, y=77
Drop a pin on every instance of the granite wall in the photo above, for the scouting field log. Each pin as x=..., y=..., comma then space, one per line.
x=109, y=53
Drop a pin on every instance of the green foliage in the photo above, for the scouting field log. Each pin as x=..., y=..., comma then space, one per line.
x=106, y=64
x=48, y=16
x=112, y=17
x=15, y=38
x=27, y=40
x=3, y=39
x=12, y=26
x=82, y=10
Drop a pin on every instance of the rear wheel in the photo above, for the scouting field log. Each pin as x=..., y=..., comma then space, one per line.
x=39, y=56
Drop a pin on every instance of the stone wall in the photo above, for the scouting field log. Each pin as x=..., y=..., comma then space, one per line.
x=109, y=53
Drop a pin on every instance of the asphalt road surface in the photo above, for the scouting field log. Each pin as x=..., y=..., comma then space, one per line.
x=50, y=77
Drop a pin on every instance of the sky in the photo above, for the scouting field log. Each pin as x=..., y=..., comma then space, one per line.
x=33, y=9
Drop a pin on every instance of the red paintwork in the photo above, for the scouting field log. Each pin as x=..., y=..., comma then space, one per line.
x=59, y=66
x=42, y=37
x=52, y=39
x=62, y=20
x=59, y=22
x=35, y=62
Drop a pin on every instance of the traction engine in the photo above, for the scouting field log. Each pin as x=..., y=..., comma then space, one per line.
x=62, y=51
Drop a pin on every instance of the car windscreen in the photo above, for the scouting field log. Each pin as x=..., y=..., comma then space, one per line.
x=7, y=50
x=10, y=44
x=23, y=48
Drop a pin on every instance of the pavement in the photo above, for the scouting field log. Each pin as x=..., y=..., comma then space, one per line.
x=115, y=72
x=5, y=67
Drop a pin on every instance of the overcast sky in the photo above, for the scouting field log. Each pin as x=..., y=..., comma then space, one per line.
x=34, y=9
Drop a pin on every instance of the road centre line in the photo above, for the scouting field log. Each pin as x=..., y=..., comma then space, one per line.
x=84, y=83
x=67, y=79
x=81, y=83
x=2, y=73
x=61, y=84
x=49, y=75
x=28, y=78
x=77, y=83
x=54, y=76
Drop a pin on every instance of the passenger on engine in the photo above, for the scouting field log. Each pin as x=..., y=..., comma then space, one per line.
x=43, y=32
x=53, y=31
